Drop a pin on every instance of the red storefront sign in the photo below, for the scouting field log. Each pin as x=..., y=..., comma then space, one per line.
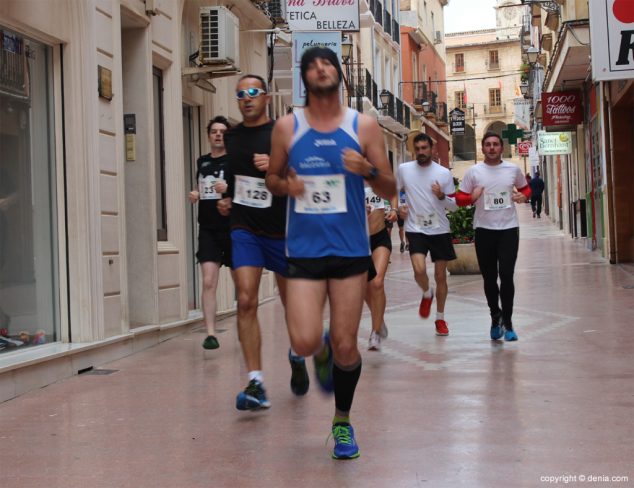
x=523, y=147
x=561, y=108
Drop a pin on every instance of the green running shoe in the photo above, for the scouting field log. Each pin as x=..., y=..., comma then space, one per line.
x=210, y=342
x=323, y=367
x=345, y=444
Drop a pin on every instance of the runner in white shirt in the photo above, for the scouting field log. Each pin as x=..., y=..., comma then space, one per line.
x=492, y=188
x=430, y=192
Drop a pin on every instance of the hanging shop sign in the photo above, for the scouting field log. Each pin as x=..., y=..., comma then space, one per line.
x=561, y=108
x=303, y=41
x=522, y=117
x=523, y=148
x=551, y=143
x=457, y=122
x=612, y=39
x=322, y=15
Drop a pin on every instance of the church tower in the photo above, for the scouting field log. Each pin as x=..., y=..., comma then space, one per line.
x=508, y=18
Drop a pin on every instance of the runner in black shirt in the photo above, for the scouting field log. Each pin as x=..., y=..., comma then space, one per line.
x=214, y=244
x=257, y=234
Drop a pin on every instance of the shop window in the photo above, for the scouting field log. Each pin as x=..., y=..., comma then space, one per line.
x=29, y=292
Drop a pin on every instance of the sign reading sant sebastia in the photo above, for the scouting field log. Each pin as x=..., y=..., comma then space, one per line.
x=322, y=15
x=561, y=108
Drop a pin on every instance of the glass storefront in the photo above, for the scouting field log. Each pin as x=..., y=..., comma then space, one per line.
x=29, y=295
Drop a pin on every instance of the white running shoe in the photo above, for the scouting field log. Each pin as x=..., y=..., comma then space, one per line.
x=374, y=344
x=383, y=331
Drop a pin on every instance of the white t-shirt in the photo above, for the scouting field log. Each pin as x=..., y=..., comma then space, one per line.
x=426, y=214
x=495, y=209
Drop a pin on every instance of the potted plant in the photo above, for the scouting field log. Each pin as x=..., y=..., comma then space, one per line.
x=462, y=233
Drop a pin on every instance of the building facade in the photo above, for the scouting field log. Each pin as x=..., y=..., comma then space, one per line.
x=424, y=70
x=483, y=69
x=104, y=109
x=587, y=188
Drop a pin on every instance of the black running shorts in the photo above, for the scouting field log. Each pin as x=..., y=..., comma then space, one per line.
x=439, y=246
x=214, y=246
x=327, y=267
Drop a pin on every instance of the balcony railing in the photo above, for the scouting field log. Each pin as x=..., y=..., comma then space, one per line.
x=360, y=85
x=494, y=109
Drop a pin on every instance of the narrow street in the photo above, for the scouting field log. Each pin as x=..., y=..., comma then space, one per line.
x=429, y=411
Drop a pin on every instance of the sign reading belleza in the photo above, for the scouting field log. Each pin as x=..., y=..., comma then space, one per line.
x=322, y=15
x=561, y=108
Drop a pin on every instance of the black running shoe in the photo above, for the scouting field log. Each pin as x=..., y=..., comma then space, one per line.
x=299, y=374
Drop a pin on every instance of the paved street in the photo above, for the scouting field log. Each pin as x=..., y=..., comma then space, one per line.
x=429, y=411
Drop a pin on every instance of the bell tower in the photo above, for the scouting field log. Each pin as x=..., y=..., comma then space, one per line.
x=508, y=17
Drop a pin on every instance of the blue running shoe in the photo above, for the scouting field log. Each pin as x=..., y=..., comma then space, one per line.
x=345, y=445
x=299, y=375
x=510, y=335
x=253, y=397
x=497, y=329
x=323, y=367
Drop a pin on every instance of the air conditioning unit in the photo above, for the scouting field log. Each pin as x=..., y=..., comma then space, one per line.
x=277, y=11
x=219, y=36
x=438, y=37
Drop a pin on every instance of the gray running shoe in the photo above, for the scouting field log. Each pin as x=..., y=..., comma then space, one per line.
x=383, y=331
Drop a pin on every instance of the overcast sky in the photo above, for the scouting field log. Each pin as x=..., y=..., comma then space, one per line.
x=466, y=15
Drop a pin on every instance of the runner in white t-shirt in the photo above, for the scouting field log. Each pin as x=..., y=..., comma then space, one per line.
x=491, y=186
x=430, y=192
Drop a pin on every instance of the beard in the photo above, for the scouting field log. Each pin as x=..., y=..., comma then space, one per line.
x=422, y=160
x=324, y=89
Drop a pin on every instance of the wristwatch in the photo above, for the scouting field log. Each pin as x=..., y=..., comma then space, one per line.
x=374, y=172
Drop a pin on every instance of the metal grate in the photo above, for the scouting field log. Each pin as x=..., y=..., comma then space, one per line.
x=209, y=28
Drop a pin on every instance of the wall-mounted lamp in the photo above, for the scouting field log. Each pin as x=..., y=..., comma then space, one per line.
x=384, y=96
x=346, y=49
x=524, y=88
x=426, y=107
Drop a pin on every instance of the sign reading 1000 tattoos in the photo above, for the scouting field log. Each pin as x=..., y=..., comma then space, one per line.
x=322, y=15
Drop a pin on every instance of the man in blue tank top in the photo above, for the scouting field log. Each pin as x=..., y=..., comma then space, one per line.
x=320, y=157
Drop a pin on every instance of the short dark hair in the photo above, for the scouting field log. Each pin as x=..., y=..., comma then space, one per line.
x=218, y=119
x=490, y=133
x=255, y=77
x=423, y=137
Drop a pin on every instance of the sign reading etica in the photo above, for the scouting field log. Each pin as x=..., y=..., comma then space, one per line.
x=322, y=15
x=612, y=39
x=561, y=108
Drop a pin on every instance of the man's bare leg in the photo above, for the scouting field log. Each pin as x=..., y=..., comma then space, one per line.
x=210, y=272
x=248, y=284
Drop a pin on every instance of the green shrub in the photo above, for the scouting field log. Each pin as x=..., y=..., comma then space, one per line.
x=461, y=225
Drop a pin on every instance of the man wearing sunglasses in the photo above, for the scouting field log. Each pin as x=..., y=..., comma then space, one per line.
x=320, y=157
x=257, y=233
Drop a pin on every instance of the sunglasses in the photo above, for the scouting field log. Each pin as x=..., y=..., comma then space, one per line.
x=250, y=92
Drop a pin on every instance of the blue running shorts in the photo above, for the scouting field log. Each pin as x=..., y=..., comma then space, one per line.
x=248, y=249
